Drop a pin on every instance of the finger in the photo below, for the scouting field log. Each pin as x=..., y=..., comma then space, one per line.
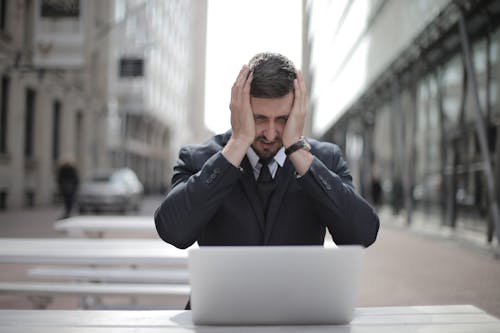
x=297, y=101
x=236, y=89
x=300, y=78
x=247, y=88
x=301, y=88
x=242, y=76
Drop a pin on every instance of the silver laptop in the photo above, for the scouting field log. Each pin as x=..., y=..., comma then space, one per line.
x=265, y=285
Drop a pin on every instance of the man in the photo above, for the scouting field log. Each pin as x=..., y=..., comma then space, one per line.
x=67, y=180
x=218, y=198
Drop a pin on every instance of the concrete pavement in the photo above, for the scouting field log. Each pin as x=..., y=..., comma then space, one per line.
x=403, y=267
x=409, y=268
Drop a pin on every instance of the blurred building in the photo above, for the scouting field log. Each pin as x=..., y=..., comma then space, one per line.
x=50, y=55
x=105, y=83
x=157, y=85
x=410, y=90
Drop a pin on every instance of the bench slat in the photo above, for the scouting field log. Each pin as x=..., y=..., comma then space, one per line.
x=93, y=289
x=138, y=275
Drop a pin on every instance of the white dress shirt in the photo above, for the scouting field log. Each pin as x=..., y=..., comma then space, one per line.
x=278, y=160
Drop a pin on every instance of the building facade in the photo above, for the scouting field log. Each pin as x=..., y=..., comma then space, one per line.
x=157, y=85
x=410, y=90
x=47, y=107
x=103, y=83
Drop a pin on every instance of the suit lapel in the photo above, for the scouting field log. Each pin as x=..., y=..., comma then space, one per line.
x=249, y=185
x=283, y=177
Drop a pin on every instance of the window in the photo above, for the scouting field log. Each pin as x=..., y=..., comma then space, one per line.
x=60, y=8
x=56, y=124
x=29, y=124
x=494, y=71
x=3, y=15
x=3, y=199
x=4, y=104
x=452, y=82
x=131, y=67
x=79, y=140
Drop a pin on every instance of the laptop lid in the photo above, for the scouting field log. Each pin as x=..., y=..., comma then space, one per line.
x=274, y=284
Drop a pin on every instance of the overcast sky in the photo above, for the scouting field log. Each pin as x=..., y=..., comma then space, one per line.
x=238, y=29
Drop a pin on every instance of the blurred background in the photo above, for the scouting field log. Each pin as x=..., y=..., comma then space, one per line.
x=409, y=89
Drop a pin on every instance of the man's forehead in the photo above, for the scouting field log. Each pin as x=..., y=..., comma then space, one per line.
x=287, y=99
x=272, y=107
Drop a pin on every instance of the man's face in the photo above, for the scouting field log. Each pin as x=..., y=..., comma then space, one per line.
x=270, y=116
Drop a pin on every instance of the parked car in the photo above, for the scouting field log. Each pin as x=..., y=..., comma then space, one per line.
x=116, y=189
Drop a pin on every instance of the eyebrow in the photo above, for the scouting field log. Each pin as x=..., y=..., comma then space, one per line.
x=258, y=115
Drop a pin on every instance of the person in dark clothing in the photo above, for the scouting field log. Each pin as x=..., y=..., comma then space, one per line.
x=220, y=197
x=67, y=180
x=376, y=192
x=263, y=182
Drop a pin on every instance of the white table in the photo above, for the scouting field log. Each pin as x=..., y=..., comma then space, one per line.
x=99, y=225
x=90, y=251
x=428, y=319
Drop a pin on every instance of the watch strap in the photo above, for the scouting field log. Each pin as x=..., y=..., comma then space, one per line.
x=300, y=144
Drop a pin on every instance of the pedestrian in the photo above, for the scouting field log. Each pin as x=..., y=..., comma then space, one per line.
x=263, y=182
x=376, y=188
x=67, y=180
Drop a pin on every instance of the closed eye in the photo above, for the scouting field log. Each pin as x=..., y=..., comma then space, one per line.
x=282, y=119
x=259, y=118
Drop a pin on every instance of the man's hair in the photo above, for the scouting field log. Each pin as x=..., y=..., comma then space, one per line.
x=273, y=75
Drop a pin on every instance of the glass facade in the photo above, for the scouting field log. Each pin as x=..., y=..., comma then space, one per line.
x=426, y=140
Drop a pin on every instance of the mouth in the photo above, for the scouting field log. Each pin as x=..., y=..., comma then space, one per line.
x=266, y=147
x=267, y=143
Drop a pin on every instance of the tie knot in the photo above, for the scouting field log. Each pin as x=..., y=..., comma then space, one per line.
x=265, y=174
x=265, y=161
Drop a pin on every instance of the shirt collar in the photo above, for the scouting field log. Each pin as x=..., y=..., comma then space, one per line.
x=280, y=157
x=278, y=160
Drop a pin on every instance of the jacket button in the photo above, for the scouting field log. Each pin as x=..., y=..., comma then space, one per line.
x=212, y=177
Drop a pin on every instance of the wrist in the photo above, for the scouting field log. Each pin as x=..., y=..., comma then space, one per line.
x=299, y=144
x=302, y=161
x=288, y=141
x=240, y=141
x=235, y=150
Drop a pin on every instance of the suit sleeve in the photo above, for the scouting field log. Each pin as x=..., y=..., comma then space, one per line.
x=350, y=219
x=195, y=196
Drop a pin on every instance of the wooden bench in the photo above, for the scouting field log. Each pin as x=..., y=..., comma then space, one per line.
x=94, y=274
x=79, y=251
x=41, y=294
x=99, y=226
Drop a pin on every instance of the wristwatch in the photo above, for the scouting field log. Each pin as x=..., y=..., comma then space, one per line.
x=302, y=143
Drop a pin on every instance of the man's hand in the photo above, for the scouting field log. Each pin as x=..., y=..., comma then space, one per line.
x=242, y=121
x=294, y=127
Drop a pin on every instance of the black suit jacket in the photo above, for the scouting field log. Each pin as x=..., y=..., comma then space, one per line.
x=214, y=203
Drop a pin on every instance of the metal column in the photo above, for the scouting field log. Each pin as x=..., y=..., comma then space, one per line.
x=398, y=146
x=480, y=127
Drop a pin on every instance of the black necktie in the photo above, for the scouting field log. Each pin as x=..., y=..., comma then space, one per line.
x=265, y=185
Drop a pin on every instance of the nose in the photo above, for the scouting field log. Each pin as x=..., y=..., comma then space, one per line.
x=270, y=132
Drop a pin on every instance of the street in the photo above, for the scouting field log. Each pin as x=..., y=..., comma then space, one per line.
x=403, y=267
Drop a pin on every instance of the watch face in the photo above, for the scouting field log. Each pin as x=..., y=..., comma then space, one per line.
x=307, y=145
